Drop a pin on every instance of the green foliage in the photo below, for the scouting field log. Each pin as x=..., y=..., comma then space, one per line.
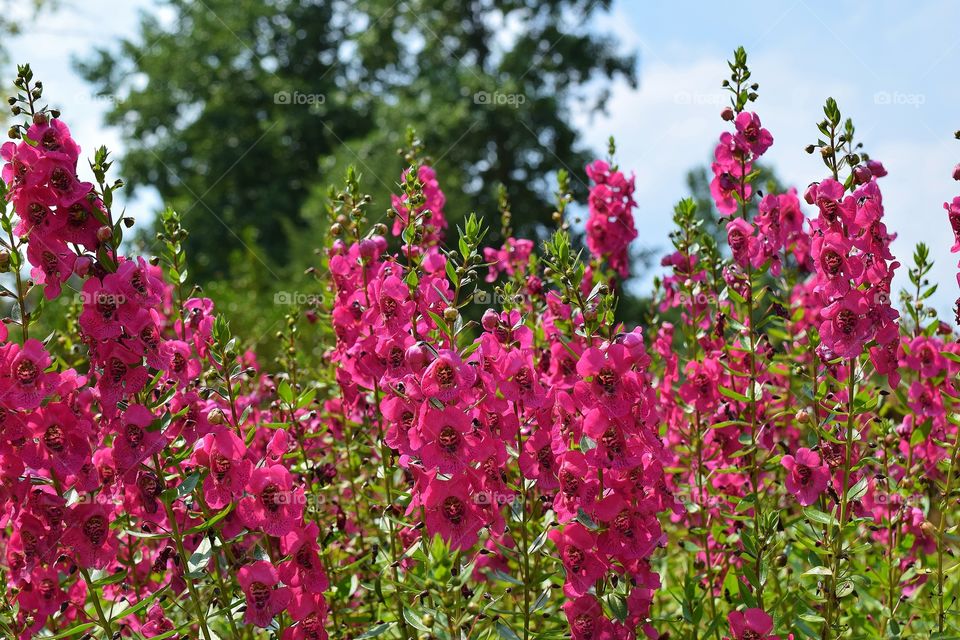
x=240, y=110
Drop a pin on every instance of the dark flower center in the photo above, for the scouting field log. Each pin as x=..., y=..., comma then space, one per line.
x=54, y=438
x=50, y=140
x=220, y=465
x=95, y=529
x=446, y=376
x=584, y=624
x=36, y=213
x=847, y=321
x=260, y=594
x=832, y=262
x=454, y=509
x=574, y=558
x=271, y=497
x=449, y=439
x=27, y=372
x=524, y=379
x=304, y=557
x=569, y=483
x=623, y=523
x=545, y=457
x=607, y=379
x=134, y=435
x=60, y=179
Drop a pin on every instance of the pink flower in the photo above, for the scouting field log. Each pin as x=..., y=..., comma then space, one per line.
x=447, y=378
x=607, y=381
x=443, y=438
x=452, y=512
x=845, y=326
x=24, y=382
x=586, y=619
x=751, y=134
x=59, y=441
x=265, y=599
x=751, y=624
x=700, y=388
x=309, y=610
x=807, y=477
x=577, y=548
x=136, y=441
x=88, y=536
x=274, y=507
x=953, y=214
x=223, y=453
x=305, y=568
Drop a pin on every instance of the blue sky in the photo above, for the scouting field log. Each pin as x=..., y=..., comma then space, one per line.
x=892, y=66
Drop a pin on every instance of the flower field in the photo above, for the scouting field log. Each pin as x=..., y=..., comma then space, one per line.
x=466, y=441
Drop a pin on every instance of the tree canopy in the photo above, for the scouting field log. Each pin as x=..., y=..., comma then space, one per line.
x=240, y=112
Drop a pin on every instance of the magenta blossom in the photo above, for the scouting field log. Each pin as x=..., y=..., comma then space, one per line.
x=807, y=477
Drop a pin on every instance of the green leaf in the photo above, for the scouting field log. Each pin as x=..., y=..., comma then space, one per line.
x=505, y=631
x=378, y=630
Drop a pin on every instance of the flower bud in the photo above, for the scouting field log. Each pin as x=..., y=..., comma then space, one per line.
x=490, y=320
x=104, y=233
x=4, y=261
x=956, y=172
x=216, y=417
x=415, y=357
x=450, y=314
x=727, y=114
x=862, y=174
x=82, y=266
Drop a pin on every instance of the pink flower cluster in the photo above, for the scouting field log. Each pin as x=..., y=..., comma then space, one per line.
x=429, y=214
x=610, y=226
x=733, y=161
x=854, y=271
x=81, y=454
x=56, y=211
x=479, y=426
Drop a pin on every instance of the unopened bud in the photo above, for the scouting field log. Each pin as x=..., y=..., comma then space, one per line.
x=216, y=417
x=727, y=114
x=956, y=172
x=450, y=314
x=4, y=261
x=104, y=233
x=490, y=320
x=82, y=266
x=862, y=174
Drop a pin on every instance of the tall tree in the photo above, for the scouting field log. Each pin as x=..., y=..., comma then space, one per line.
x=239, y=109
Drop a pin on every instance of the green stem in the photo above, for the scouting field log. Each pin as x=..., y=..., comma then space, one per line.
x=104, y=622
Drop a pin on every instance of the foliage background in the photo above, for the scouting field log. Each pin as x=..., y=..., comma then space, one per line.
x=890, y=69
